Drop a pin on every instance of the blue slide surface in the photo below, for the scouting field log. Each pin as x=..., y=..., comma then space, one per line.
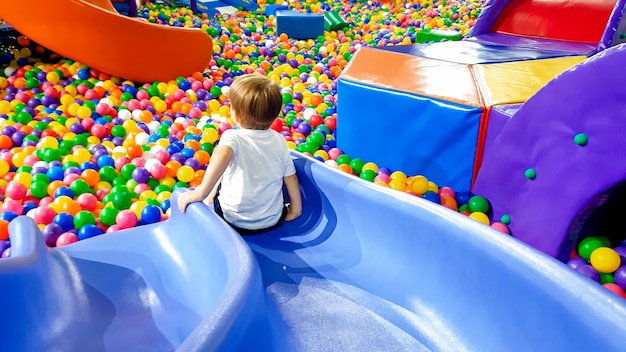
x=362, y=269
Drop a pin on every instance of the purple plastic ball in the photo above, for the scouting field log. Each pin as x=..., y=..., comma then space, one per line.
x=576, y=262
x=141, y=175
x=193, y=163
x=620, y=276
x=589, y=271
x=51, y=233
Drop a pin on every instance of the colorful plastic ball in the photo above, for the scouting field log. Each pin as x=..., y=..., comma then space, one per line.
x=108, y=215
x=88, y=231
x=150, y=214
x=63, y=192
x=87, y=201
x=478, y=204
x=51, y=233
x=8, y=215
x=39, y=189
x=480, y=217
x=79, y=187
x=15, y=190
x=500, y=227
x=65, y=220
x=419, y=184
x=66, y=238
x=605, y=260
x=587, y=246
x=576, y=262
x=367, y=175
x=615, y=289
x=44, y=215
x=620, y=276
x=185, y=173
x=12, y=206
x=607, y=278
x=121, y=200
x=588, y=271
x=126, y=219
x=432, y=196
x=4, y=230
x=83, y=218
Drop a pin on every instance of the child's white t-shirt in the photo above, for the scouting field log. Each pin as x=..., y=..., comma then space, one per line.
x=251, y=194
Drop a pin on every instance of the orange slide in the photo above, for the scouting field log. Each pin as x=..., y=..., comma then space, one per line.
x=93, y=33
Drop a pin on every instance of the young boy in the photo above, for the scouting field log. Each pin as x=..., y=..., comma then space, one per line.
x=252, y=163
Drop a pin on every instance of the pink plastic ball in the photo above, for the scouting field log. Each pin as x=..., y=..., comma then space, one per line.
x=102, y=192
x=134, y=104
x=141, y=187
x=501, y=227
x=66, y=238
x=158, y=171
x=113, y=228
x=121, y=161
x=195, y=113
x=12, y=205
x=142, y=94
x=334, y=153
x=139, y=162
x=16, y=190
x=126, y=219
x=45, y=201
x=30, y=160
x=163, y=156
x=69, y=178
x=87, y=201
x=44, y=215
x=7, y=156
x=615, y=289
x=382, y=178
x=102, y=108
x=446, y=192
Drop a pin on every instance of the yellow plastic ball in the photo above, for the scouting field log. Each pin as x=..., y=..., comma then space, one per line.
x=605, y=260
x=480, y=217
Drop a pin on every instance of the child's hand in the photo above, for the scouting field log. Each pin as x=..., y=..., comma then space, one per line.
x=292, y=214
x=185, y=199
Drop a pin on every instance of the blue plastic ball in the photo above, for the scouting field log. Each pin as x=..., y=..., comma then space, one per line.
x=151, y=214
x=65, y=220
x=89, y=231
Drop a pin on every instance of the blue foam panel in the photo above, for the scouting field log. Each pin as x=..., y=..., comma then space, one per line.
x=270, y=10
x=436, y=139
x=299, y=25
x=475, y=52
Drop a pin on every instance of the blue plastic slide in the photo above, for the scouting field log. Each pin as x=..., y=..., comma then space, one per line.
x=363, y=269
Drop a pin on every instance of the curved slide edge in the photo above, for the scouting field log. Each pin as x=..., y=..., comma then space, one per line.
x=466, y=286
x=109, y=42
x=189, y=283
x=541, y=136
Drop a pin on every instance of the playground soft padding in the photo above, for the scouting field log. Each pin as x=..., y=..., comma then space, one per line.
x=543, y=211
x=362, y=268
x=528, y=23
x=441, y=107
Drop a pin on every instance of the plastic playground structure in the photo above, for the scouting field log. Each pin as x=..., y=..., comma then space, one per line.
x=363, y=268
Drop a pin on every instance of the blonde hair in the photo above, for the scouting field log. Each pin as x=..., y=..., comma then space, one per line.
x=256, y=100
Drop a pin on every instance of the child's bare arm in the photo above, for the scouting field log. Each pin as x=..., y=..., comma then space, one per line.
x=211, y=197
x=295, y=198
x=219, y=161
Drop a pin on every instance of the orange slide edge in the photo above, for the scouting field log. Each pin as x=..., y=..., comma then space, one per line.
x=91, y=33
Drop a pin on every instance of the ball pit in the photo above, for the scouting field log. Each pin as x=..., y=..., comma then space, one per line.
x=595, y=258
x=84, y=153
